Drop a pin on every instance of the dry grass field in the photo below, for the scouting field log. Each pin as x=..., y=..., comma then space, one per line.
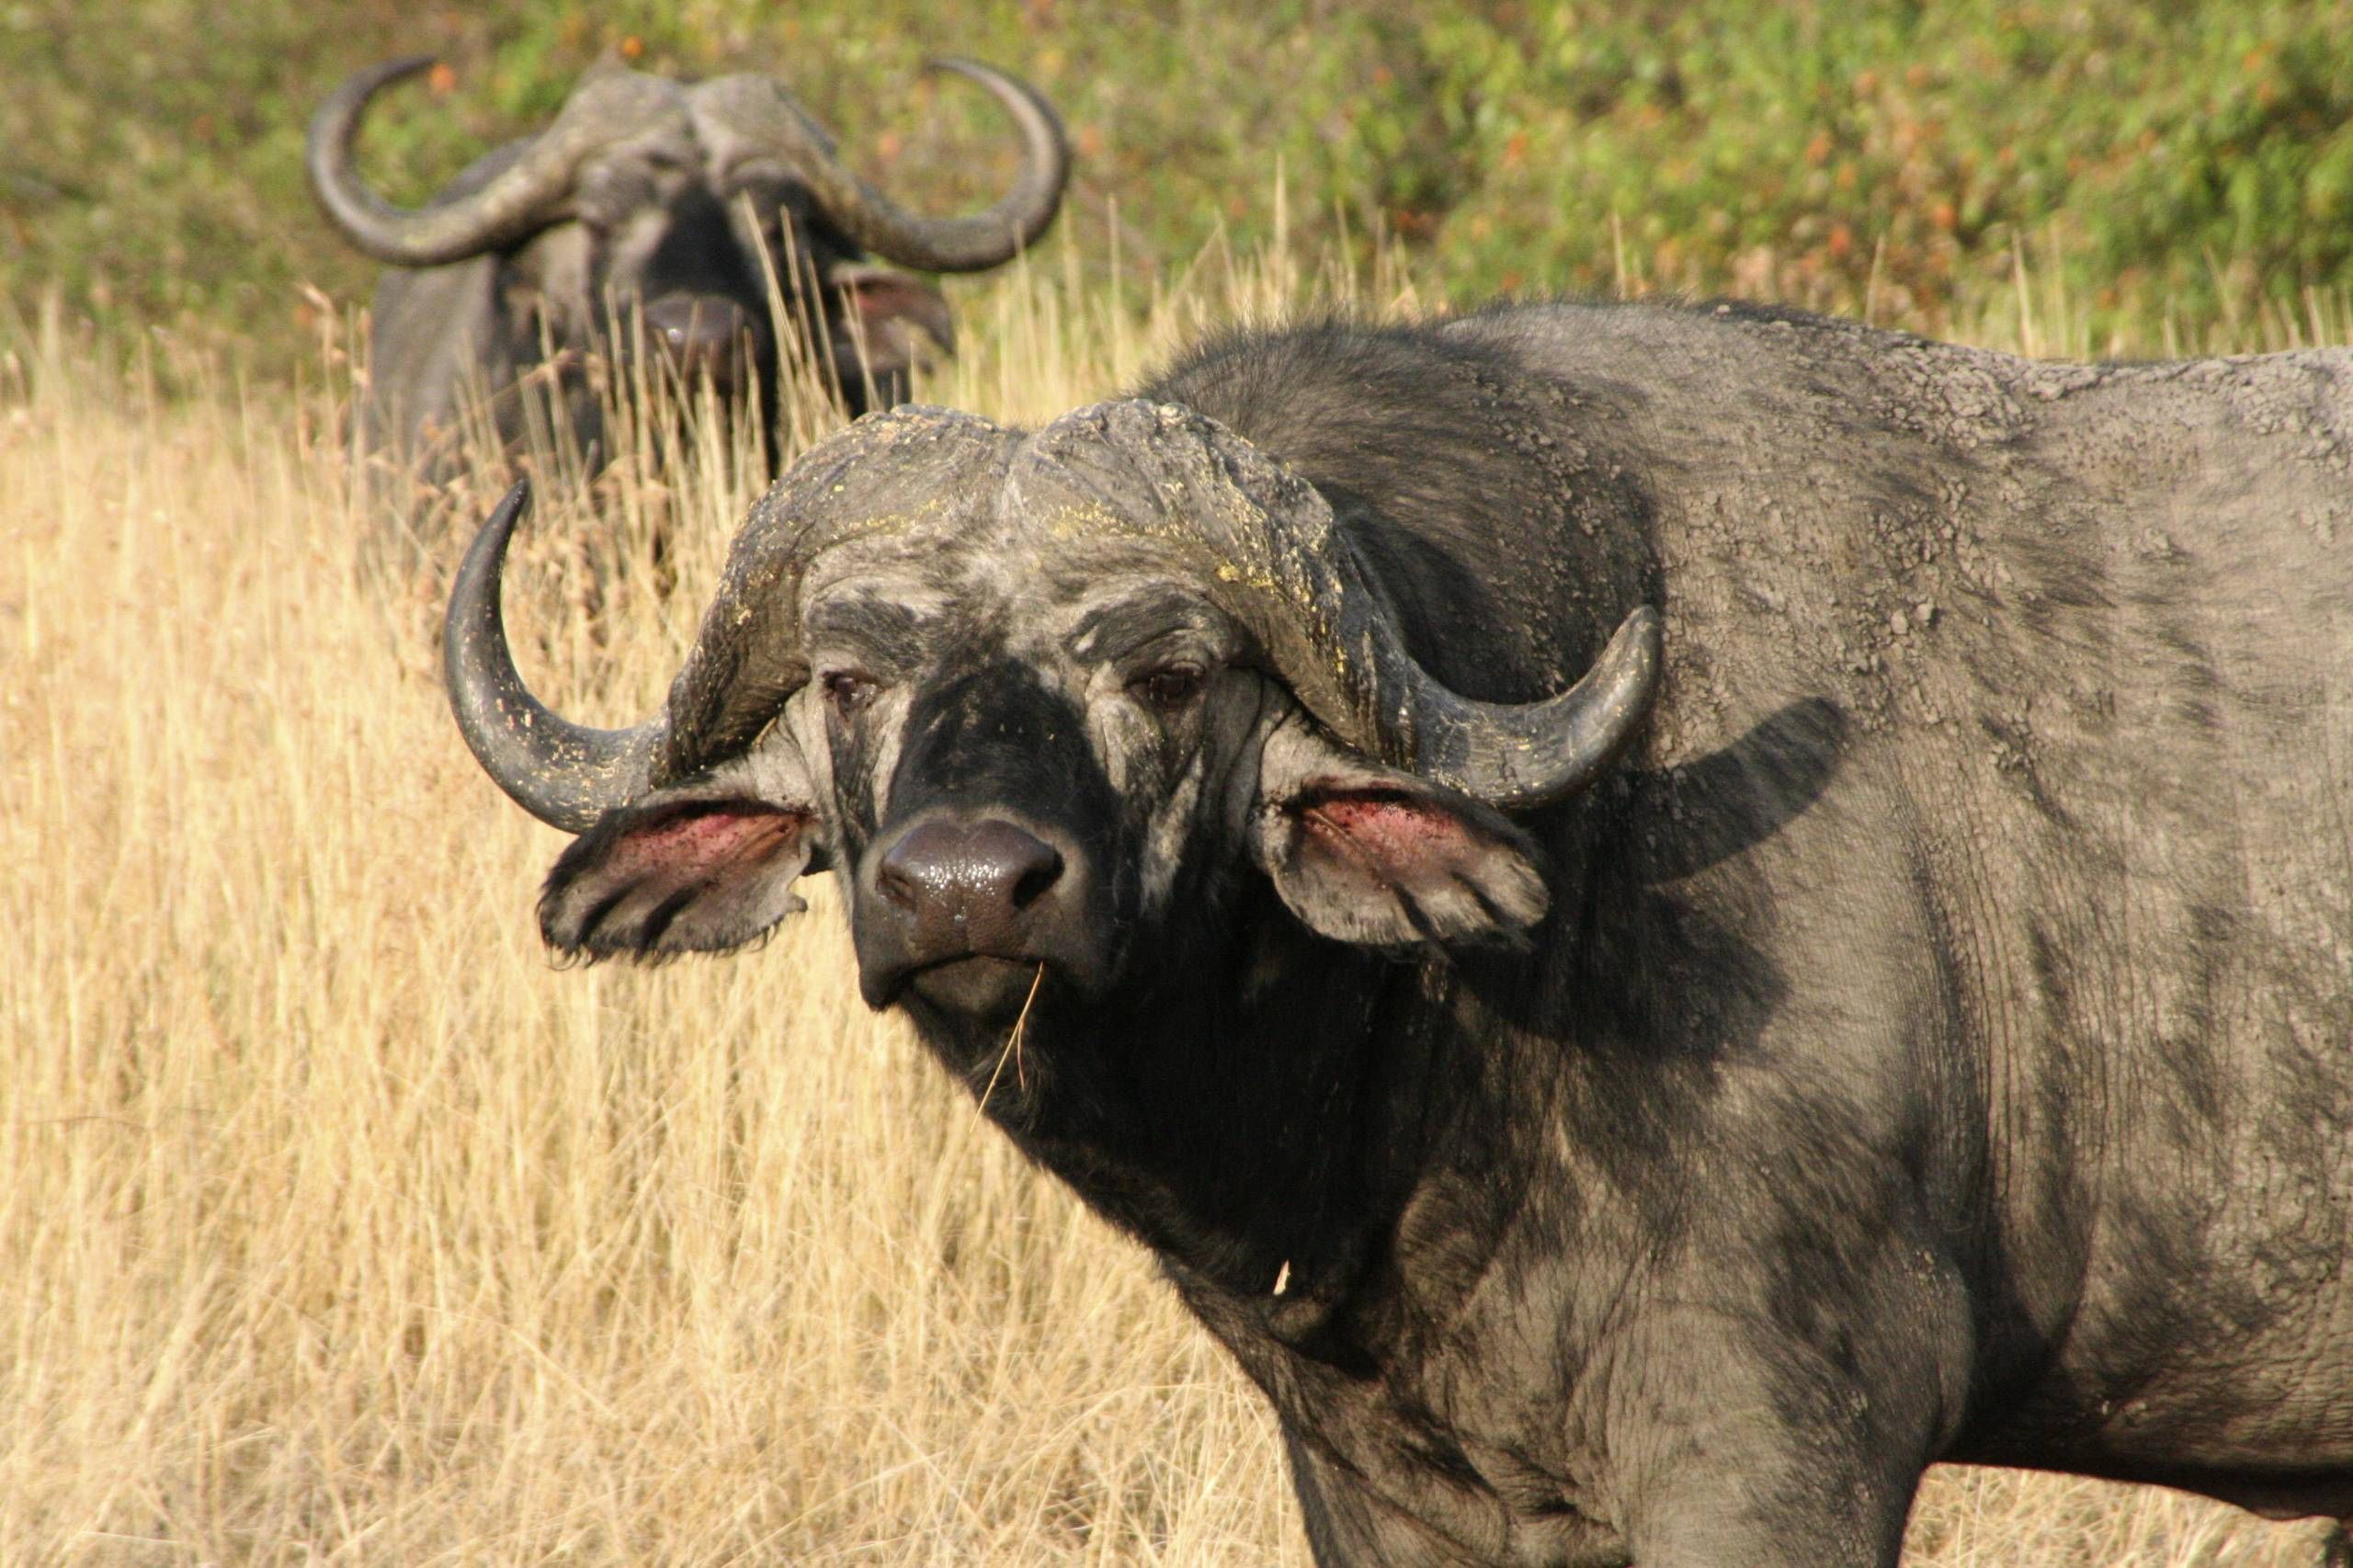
x=338, y=1226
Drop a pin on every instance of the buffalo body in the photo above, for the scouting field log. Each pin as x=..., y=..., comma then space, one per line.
x=1661, y=915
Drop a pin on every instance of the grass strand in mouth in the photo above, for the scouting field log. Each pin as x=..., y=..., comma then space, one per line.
x=1013, y=1046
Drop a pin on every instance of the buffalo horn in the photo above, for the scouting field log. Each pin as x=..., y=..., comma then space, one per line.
x=516, y=202
x=747, y=658
x=564, y=774
x=1341, y=654
x=1264, y=544
x=764, y=113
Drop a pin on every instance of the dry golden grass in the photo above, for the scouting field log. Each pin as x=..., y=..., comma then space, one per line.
x=337, y=1225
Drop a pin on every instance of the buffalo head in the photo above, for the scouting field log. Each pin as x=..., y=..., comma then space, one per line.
x=667, y=209
x=1047, y=701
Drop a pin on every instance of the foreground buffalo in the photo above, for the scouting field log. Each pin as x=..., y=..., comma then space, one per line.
x=678, y=202
x=1662, y=916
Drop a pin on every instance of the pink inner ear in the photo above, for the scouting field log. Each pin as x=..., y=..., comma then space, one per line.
x=883, y=298
x=879, y=300
x=707, y=842
x=1397, y=832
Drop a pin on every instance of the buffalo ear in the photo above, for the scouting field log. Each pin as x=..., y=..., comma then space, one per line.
x=902, y=322
x=1370, y=855
x=681, y=876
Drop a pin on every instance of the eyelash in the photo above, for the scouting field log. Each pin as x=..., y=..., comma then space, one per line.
x=848, y=691
x=1167, y=690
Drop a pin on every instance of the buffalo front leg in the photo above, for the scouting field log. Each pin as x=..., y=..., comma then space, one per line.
x=1323, y=1542
x=1728, y=1525
x=1348, y=1526
x=1768, y=1455
x=1755, y=1510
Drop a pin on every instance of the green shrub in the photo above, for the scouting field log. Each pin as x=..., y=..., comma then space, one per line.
x=2174, y=164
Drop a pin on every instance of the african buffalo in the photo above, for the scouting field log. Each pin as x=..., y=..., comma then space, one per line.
x=678, y=202
x=1662, y=915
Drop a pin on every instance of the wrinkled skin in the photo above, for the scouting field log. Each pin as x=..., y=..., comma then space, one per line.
x=656, y=254
x=1929, y=1041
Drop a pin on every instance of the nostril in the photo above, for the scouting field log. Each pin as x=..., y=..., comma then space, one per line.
x=1009, y=866
x=1035, y=877
x=892, y=880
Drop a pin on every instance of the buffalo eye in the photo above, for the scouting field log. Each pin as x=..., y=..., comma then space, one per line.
x=1167, y=688
x=848, y=690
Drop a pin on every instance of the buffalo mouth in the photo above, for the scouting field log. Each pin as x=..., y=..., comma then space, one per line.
x=961, y=913
x=980, y=986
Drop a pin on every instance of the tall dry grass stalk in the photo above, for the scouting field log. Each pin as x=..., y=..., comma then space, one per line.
x=335, y=1225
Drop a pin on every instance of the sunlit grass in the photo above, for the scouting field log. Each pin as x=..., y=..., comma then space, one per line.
x=337, y=1225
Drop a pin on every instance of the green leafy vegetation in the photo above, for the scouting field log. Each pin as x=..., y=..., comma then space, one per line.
x=2169, y=167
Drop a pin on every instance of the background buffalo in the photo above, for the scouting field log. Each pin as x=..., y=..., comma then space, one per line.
x=713, y=223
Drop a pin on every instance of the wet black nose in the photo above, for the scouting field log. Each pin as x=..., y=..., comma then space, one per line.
x=702, y=334
x=980, y=878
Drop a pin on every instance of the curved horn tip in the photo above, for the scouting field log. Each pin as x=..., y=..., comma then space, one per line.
x=515, y=202
x=963, y=66
x=513, y=505
x=492, y=537
x=1629, y=665
x=1590, y=725
x=1644, y=634
x=404, y=65
x=1002, y=85
x=1628, y=669
x=338, y=114
x=384, y=73
x=474, y=625
x=980, y=241
x=566, y=775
